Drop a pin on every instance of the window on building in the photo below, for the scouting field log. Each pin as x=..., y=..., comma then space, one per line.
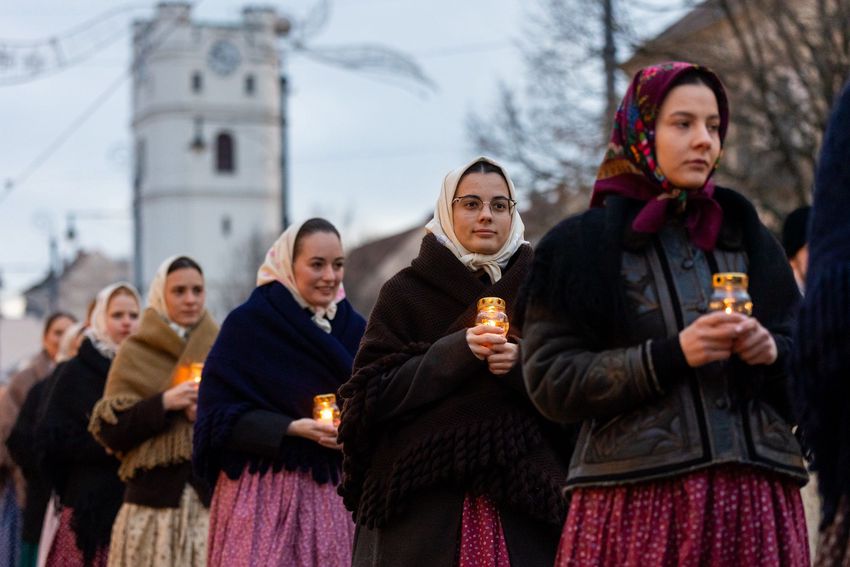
x=226, y=225
x=249, y=85
x=197, y=82
x=225, y=153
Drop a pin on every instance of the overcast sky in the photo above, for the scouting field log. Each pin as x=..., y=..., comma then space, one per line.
x=366, y=154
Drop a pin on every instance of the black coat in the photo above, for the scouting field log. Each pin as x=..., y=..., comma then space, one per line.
x=84, y=475
x=601, y=347
x=26, y=449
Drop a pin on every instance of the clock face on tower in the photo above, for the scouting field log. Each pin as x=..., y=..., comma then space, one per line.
x=223, y=57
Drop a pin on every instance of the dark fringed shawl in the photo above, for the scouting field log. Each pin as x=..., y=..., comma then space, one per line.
x=81, y=471
x=821, y=366
x=577, y=269
x=271, y=356
x=483, y=438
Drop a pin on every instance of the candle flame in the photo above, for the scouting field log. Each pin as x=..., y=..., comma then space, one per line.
x=728, y=310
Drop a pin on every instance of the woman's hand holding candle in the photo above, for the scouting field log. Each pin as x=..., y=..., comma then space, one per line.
x=322, y=433
x=180, y=397
x=755, y=344
x=504, y=357
x=711, y=337
x=483, y=338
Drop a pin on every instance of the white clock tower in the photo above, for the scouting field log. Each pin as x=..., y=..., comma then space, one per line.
x=207, y=132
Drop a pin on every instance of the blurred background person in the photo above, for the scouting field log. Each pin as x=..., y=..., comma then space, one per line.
x=84, y=474
x=794, y=241
x=145, y=417
x=12, y=484
x=26, y=448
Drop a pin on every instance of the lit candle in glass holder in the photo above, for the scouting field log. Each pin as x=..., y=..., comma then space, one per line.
x=325, y=409
x=730, y=293
x=491, y=311
x=196, y=369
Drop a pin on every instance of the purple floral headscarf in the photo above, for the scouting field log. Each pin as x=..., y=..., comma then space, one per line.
x=630, y=168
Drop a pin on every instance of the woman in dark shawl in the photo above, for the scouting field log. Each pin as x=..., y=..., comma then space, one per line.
x=446, y=461
x=274, y=467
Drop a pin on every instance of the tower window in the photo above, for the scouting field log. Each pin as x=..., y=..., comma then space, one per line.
x=225, y=153
x=249, y=85
x=197, y=82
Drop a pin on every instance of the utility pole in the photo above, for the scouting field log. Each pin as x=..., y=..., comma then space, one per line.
x=1, y=324
x=53, y=276
x=284, y=149
x=609, y=58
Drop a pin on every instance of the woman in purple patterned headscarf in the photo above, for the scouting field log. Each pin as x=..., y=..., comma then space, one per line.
x=685, y=454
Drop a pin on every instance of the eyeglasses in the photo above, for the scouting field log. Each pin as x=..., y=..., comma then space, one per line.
x=474, y=204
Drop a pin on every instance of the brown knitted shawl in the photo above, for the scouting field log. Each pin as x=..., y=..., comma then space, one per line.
x=146, y=364
x=483, y=438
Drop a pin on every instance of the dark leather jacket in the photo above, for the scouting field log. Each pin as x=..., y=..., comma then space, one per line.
x=637, y=424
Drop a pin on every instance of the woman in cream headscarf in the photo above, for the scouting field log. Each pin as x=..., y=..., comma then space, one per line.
x=440, y=440
x=145, y=418
x=274, y=467
x=82, y=472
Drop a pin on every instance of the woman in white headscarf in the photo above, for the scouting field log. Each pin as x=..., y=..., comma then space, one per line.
x=441, y=443
x=82, y=472
x=145, y=418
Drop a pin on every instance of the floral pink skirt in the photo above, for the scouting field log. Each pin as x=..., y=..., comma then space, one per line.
x=482, y=541
x=720, y=516
x=64, y=551
x=282, y=518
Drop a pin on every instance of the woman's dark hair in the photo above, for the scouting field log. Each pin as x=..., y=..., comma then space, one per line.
x=183, y=262
x=702, y=77
x=482, y=166
x=55, y=317
x=312, y=226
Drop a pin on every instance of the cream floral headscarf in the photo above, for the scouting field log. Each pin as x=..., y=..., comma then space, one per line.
x=278, y=267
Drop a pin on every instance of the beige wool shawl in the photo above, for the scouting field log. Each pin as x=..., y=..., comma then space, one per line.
x=148, y=363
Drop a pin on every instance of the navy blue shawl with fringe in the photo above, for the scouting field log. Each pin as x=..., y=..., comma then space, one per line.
x=271, y=356
x=821, y=369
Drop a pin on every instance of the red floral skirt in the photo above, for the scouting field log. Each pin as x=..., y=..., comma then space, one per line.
x=720, y=516
x=482, y=542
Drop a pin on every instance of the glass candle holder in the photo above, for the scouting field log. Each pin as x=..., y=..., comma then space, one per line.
x=730, y=293
x=325, y=409
x=491, y=311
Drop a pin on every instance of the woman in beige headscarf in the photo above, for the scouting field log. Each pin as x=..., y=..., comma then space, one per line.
x=145, y=417
x=441, y=443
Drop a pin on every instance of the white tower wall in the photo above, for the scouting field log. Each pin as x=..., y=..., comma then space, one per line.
x=185, y=205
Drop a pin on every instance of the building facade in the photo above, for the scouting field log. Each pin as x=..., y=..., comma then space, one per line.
x=206, y=124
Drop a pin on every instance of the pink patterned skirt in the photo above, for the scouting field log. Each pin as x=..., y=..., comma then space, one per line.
x=283, y=518
x=482, y=541
x=64, y=551
x=720, y=516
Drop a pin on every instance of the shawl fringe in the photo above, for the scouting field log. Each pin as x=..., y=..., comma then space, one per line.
x=484, y=438
x=821, y=385
x=172, y=447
